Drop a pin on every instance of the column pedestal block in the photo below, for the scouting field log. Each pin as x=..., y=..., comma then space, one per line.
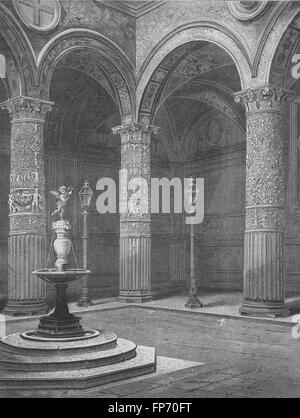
x=26, y=308
x=131, y=297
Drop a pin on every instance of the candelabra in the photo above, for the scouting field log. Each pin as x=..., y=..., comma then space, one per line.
x=193, y=301
x=85, y=196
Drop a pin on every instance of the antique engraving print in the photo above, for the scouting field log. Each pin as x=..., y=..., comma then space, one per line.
x=149, y=201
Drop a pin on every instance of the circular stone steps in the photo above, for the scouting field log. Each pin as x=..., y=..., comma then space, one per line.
x=59, y=361
x=16, y=344
x=143, y=363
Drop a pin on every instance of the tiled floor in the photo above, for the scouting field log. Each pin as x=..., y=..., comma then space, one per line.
x=243, y=357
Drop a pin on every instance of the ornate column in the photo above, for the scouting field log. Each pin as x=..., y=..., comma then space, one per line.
x=265, y=203
x=135, y=218
x=27, y=236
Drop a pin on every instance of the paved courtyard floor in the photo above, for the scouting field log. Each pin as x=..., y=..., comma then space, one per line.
x=243, y=357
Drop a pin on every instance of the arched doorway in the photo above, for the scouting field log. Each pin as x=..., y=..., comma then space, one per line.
x=90, y=82
x=281, y=74
x=190, y=97
x=80, y=146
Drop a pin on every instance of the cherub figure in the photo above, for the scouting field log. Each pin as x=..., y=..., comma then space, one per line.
x=62, y=196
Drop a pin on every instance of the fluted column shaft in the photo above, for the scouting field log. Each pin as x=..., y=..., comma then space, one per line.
x=27, y=236
x=265, y=203
x=135, y=218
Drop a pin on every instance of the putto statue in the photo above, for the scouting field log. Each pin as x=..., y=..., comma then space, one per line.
x=62, y=196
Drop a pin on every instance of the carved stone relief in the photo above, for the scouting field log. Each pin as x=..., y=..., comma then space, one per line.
x=135, y=158
x=27, y=182
x=265, y=184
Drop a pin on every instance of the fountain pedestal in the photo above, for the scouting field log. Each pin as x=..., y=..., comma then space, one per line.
x=61, y=323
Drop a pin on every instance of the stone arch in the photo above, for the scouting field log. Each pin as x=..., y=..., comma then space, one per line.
x=112, y=62
x=150, y=78
x=21, y=60
x=93, y=70
x=272, y=38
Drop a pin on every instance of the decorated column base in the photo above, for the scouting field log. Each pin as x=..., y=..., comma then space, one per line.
x=264, y=309
x=194, y=302
x=135, y=297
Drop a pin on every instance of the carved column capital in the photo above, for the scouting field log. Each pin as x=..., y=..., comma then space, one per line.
x=135, y=133
x=24, y=108
x=264, y=98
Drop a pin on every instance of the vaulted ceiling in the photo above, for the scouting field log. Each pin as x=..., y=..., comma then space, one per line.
x=85, y=114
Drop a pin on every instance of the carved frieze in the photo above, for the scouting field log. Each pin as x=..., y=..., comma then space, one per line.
x=269, y=218
x=134, y=228
x=26, y=201
x=26, y=155
x=27, y=224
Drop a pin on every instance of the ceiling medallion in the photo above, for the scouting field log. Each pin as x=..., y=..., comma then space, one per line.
x=41, y=15
x=247, y=10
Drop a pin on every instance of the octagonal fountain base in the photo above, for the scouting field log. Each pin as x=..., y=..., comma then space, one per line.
x=28, y=361
x=61, y=354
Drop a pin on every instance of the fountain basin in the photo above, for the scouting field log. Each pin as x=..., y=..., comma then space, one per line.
x=60, y=277
x=61, y=323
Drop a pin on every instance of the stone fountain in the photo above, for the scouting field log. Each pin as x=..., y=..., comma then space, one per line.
x=60, y=353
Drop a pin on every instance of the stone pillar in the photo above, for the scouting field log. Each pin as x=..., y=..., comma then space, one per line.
x=265, y=203
x=135, y=218
x=27, y=236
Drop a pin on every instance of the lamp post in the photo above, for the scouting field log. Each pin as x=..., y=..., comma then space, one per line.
x=85, y=196
x=193, y=301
